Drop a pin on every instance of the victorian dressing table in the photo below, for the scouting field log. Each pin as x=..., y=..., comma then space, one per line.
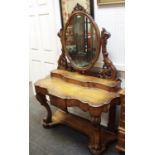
x=77, y=83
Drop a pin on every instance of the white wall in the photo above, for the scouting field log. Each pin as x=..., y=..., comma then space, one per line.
x=112, y=18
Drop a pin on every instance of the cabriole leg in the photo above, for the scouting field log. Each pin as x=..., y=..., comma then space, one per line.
x=43, y=101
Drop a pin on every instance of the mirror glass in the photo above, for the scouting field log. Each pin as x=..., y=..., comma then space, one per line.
x=80, y=41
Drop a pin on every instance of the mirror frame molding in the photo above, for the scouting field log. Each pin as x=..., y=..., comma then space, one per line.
x=107, y=71
x=98, y=37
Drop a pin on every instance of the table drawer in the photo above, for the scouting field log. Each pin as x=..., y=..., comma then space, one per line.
x=58, y=102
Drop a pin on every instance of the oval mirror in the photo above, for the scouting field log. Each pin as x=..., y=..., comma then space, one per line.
x=81, y=41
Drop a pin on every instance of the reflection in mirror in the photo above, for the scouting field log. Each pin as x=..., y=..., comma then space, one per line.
x=81, y=41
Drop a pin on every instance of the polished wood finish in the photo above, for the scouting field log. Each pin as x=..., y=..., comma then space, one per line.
x=88, y=81
x=64, y=103
x=98, y=138
x=121, y=130
x=41, y=97
x=109, y=70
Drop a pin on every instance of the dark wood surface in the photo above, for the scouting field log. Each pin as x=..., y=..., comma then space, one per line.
x=111, y=88
x=121, y=130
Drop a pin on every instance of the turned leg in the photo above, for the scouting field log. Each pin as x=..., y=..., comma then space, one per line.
x=42, y=99
x=96, y=145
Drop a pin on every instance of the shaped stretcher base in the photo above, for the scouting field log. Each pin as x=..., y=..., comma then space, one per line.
x=86, y=127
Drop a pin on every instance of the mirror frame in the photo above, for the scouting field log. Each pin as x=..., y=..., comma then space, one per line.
x=97, y=37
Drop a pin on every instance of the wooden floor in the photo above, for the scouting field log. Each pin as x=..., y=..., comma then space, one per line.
x=60, y=140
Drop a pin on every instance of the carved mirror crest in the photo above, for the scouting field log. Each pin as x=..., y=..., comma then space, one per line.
x=67, y=6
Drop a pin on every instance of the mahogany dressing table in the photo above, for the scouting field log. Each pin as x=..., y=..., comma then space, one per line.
x=77, y=83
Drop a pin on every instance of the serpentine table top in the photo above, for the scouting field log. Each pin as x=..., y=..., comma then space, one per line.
x=70, y=85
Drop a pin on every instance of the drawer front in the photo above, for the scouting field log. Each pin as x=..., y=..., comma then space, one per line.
x=58, y=102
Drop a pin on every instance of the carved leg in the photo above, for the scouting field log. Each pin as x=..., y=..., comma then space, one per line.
x=42, y=99
x=96, y=145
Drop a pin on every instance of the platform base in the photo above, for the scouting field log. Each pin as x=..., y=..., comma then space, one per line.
x=97, y=142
